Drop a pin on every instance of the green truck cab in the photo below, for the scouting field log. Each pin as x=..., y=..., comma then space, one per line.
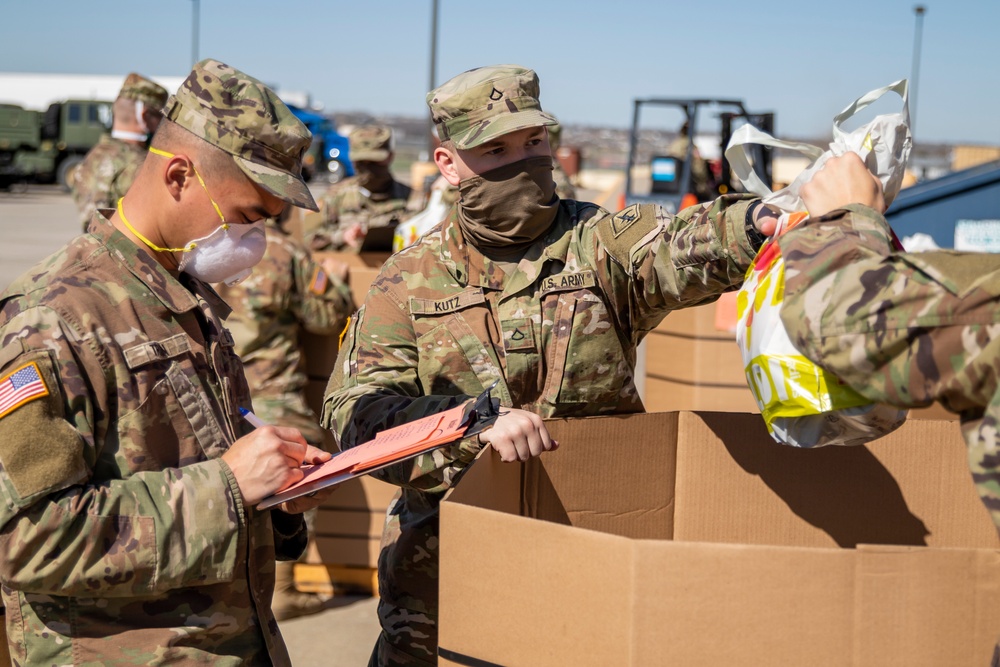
x=44, y=147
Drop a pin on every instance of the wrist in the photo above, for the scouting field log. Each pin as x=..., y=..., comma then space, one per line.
x=754, y=236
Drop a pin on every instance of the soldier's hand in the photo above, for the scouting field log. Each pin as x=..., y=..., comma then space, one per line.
x=354, y=235
x=765, y=219
x=269, y=459
x=304, y=503
x=843, y=180
x=336, y=268
x=518, y=435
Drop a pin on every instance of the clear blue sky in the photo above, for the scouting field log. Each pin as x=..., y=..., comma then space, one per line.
x=804, y=60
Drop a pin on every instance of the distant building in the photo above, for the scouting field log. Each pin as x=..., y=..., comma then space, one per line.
x=37, y=91
x=33, y=90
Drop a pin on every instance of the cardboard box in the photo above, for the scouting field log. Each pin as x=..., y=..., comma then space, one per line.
x=364, y=269
x=693, y=362
x=669, y=395
x=693, y=539
x=348, y=528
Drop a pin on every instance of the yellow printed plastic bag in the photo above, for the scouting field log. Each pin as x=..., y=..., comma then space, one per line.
x=803, y=405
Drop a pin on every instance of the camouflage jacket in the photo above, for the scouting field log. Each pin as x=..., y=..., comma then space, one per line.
x=286, y=293
x=105, y=175
x=905, y=329
x=347, y=203
x=124, y=536
x=441, y=323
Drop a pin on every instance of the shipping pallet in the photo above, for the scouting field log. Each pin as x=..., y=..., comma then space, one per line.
x=327, y=579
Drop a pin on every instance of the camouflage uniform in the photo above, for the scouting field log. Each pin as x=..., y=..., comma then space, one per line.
x=348, y=203
x=109, y=168
x=905, y=329
x=286, y=293
x=442, y=322
x=124, y=535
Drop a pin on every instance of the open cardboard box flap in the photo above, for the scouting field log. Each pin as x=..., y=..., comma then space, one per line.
x=693, y=539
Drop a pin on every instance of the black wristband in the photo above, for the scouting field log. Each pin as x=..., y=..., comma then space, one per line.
x=754, y=236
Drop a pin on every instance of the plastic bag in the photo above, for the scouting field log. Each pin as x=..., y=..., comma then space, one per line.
x=803, y=405
x=408, y=232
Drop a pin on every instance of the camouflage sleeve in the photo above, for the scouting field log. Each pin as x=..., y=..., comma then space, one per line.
x=655, y=262
x=82, y=196
x=899, y=328
x=66, y=530
x=375, y=386
x=327, y=235
x=322, y=302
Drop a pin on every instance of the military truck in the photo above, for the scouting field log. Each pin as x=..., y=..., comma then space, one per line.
x=44, y=146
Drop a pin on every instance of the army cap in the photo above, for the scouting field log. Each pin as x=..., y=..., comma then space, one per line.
x=370, y=142
x=139, y=88
x=485, y=103
x=239, y=114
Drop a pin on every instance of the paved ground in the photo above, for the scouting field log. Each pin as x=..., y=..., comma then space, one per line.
x=36, y=222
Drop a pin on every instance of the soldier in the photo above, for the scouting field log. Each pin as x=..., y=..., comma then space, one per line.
x=906, y=329
x=109, y=168
x=129, y=531
x=287, y=293
x=547, y=297
x=701, y=175
x=564, y=188
x=372, y=198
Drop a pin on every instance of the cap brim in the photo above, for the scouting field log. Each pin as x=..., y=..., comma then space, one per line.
x=368, y=156
x=286, y=187
x=498, y=126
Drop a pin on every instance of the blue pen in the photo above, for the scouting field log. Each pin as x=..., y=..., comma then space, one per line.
x=254, y=420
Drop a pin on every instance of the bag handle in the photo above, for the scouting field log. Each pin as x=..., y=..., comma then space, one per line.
x=900, y=87
x=739, y=160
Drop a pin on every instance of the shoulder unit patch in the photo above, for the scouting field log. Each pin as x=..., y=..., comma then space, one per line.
x=624, y=219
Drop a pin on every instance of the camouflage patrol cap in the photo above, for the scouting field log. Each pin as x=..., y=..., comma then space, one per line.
x=485, y=103
x=239, y=114
x=370, y=142
x=150, y=93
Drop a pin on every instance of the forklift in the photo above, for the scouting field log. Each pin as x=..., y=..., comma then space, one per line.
x=671, y=176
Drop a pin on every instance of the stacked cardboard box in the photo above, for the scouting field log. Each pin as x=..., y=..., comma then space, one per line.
x=693, y=539
x=693, y=362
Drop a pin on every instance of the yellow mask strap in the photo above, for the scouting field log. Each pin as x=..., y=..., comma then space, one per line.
x=225, y=225
x=121, y=214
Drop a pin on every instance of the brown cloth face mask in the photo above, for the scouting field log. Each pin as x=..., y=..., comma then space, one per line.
x=508, y=208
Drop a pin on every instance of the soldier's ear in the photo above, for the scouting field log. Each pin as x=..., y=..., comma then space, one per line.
x=177, y=174
x=445, y=161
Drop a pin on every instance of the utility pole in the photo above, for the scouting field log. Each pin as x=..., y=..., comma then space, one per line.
x=433, y=75
x=918, y=30
x=195, y=11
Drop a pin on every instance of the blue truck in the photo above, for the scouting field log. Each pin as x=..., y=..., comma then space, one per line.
x=329, y=153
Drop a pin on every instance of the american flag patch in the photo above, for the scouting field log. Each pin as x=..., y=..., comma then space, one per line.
x=23, y=385
x=318, y=283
